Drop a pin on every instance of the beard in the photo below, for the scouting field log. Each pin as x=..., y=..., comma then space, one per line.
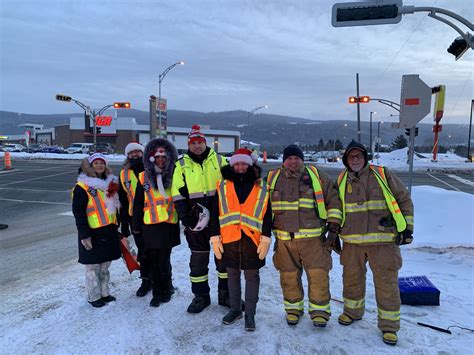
x=136, y=163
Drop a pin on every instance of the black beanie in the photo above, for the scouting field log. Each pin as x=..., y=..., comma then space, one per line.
x=291, y=150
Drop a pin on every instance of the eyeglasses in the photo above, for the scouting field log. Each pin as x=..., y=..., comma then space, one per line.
x=355, y=157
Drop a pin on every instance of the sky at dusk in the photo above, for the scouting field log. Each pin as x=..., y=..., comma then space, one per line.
x=238, y=55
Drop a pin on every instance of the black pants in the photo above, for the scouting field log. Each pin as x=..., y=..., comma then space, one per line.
x=159, y=260
x=145, y=272
x=198, y=242
x=252, y=285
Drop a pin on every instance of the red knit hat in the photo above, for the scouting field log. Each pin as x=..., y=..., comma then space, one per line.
x=195, y=135
x=241, y=155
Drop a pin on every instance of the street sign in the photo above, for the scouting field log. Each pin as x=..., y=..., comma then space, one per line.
x=364, y=13
x=161, y=117
x=415, y=101
x=103, y=120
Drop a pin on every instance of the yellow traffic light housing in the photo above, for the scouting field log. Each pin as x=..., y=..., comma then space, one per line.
x=122, y=105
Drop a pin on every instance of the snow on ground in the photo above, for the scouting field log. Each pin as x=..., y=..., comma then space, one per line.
x=46, y=312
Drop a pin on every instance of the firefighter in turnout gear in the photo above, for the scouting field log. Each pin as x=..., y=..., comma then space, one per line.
x=193, y=188
x=377, y=218
x=305, y=205
x=132, y=167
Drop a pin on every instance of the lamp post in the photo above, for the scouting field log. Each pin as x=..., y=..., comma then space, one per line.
x=469, y=159
x=378, y=140
x=250, y=113
x=160, y=79
x=370, y=134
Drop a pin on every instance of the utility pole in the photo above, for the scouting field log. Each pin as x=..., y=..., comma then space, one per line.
x=469, y=159
x=358, y=109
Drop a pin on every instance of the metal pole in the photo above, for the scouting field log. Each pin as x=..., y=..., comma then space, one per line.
x=378, y=139
x=358, y=109
x=410, y=158
x=95, y=130
x=370, y=138
x=469, y=139
x=159, y=106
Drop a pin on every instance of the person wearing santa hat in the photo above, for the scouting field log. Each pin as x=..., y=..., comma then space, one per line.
x=194, y=185
x=132, y=167
x=95, y=204
x=241, y=224
x=155, y=217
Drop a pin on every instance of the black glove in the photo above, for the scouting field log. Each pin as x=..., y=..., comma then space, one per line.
x=405, y=237
x=332, y=241
x=125, y=229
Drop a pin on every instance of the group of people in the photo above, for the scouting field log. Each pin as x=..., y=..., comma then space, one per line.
x=229, y=205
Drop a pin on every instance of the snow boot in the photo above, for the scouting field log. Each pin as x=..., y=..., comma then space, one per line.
x=108, y=299
x=292, y=319
x=390, y=338
x=319, y=322
x=155, y=302
x=231, y=317
x=97, y=303
x=199, y=303
x=223, y=298
x=344, y=319
x=144, y=288
x=165, y=296
x=250, y=322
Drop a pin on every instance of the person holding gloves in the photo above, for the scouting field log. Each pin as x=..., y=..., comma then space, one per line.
x=241, y=221
x=94, y=204
x=155, y=217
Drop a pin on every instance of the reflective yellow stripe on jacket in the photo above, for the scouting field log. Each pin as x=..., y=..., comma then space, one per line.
x=97, y=214
x=157, y=208
x=129, y=183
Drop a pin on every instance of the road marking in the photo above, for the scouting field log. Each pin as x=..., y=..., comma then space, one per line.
x=66, y=214
x=460, y=179
x=8, y=171
x=35, y=190
x=444, y=182
x=45, y=202
x=37, y=178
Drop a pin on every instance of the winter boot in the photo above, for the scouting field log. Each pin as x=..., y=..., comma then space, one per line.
x=165, y=296
x=319, y=322
x=390, y=338
x=250, y=322
x=108, y=299
x=98, y=303
x=223, y=298
x=231, y=317
x=344, y=319
x=155, y=302
x=292, y=319
x=199, y=303
x=144, y=288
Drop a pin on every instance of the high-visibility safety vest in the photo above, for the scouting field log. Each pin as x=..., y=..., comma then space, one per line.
x=97, y=214
x=157, y=208
x=200, y=179
x=129, y=183
x=390, y=201
x=302, y=202
x=235, y=217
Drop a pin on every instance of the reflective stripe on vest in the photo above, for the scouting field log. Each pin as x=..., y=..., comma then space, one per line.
x=156, y=208
x=235, y=217
x=390, y=201
x=302, y=202
x=301, y=234
x=129, y=183
x=97, y=214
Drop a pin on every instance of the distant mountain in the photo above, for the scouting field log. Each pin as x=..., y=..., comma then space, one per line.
x=269, y=130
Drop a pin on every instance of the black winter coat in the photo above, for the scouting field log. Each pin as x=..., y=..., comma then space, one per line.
x=156, y=236
x=241, y=254
x=105, y=240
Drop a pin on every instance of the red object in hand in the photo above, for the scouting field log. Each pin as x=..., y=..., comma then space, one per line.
x=112, y=189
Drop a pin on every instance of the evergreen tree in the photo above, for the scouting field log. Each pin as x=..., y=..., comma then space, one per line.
x=400, y=142
x=339, y=145
x=321, y=144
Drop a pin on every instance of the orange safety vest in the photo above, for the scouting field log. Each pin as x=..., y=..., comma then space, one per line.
x=97, y=214
x=129, y=184
x=235, y=218
x=156, y=208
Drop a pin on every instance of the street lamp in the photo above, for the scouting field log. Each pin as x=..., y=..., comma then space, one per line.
x=378, y=140
x=160, y=79
x=250, y=113
x=370, y=135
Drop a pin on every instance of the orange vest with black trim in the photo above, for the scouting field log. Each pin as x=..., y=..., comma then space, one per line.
x=235, y=218
x=97, y=214
x=157, y=208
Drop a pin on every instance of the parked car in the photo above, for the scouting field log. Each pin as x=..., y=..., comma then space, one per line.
x=11, y=147
x=105, y=148
x=36, y=147
x=54, y=149
x=83, y=148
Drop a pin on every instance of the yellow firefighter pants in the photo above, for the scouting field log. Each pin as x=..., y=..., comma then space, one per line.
x=290, y=258
x=384, y=261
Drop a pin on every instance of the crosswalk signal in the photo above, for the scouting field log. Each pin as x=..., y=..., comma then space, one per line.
x=407, y=131
x=65, y=98
x=122, y=105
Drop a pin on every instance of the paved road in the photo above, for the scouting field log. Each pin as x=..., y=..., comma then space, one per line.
x=35, y=202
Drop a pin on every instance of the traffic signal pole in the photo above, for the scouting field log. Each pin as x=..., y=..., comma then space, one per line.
x=358, y=109
x=411, y=154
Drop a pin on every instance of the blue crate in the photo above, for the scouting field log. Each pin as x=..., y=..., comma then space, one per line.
x=418, y=291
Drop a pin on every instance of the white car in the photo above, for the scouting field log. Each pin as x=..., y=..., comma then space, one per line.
x=13, y=148
x=81, y=148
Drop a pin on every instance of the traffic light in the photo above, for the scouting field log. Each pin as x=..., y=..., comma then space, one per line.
x=458, y=47
x=366, y=13
x=360, y=99
x=407, y=131
x=98, y=130
x=122, y=105
x=61, y=97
